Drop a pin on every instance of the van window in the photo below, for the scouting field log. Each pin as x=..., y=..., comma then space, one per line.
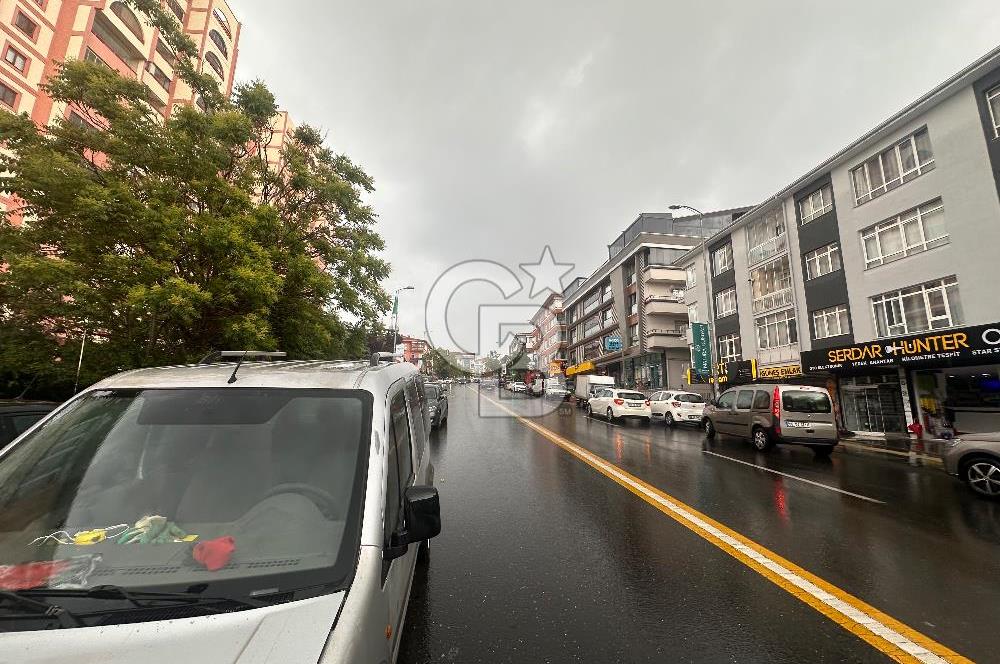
x=745, y=400
x=762, y=400
x=417, y=411
x=800, y=401
x=727, y=400
x=399, y=463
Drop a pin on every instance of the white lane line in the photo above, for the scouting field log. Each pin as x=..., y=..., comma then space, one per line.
x=796, y=478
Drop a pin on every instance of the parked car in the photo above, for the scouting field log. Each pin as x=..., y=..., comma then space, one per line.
x=770, y=414
x=555, y=389
x=269, y=495
x=679, y=406
x=17, y=416
x=437, y=404
x=976, y=459
x=615, y=404
x=517, y=386
x=586, y=384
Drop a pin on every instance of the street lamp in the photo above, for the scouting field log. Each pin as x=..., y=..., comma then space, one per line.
x=395, y=314
x=704, y=251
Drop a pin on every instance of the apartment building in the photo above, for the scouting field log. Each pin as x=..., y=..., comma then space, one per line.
x=413, y=349
x=870, y=274
x=549, y=336
x=629, y=318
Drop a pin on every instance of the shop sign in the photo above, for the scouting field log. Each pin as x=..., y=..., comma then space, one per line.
x=613, y=343
x=583, y=367
x=744, y=371
x=967, y=345
x=779, y=373
x=701, y=353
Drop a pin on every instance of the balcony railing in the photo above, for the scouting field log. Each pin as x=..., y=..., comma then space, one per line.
x=781, y=298
x=772, y=247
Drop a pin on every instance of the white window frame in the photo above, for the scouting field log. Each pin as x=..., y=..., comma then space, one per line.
x=823, y=261
x=990, y=95
x=831, y=322
x=774, y=321
x=902, y=175
x=772, y=225
x=896, y=224
x=725, y=302
x=893, y=308
x=693, y=313
x=730, y=349
x=722, y=259
x=780, y=294
x=690, y=276
x=633, y=334
x=808, y=208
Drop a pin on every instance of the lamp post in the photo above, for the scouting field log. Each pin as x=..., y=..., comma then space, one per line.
x=395, y=314
x=708, y=275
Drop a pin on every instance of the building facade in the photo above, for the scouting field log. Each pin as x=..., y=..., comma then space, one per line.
x=413, y=349
x=549, y=336
x=871, y=273
x=629, y=318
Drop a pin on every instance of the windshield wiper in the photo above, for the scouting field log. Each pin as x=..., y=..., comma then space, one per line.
x=43, y=609
x=142, y=599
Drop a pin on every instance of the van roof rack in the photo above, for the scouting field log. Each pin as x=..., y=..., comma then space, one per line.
x=382, y=358
x=241, y=355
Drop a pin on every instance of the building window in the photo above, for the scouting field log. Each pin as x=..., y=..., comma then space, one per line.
x=885, y=171
x=91, y=56
x=8, y=96
x=223, y=21
x=591, y=302
x=730, y=349
x=591, y=326
x=629, y=275
x=930, y=306
x=776, y=330
x=693, y=313
x=607, y=317
x=15, y=59
x=771, y=285
x=722, y=259
x=912, y=232
x=690, y=276
x=176, y=8
x=766, y=236
x=725, y=303
x=158, y=74
x=633, y=335
x=993, y=101
x=823, y=261
x=606, y=292
x=816, y=204
x=219, y=42
x=830, y=322
x=165, y=52
x=25, y=24
x=213, y=60
x=633, y=304
x=128, y=19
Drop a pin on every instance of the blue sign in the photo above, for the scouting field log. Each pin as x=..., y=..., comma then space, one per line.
x=612, y=343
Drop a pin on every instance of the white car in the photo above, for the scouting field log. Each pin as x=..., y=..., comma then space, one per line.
x=518, y=387
x=614, y=404
x=672, y=407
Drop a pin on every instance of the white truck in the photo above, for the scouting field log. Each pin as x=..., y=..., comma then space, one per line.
x=585, y=384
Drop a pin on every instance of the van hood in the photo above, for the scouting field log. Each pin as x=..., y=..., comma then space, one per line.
x=289, y=632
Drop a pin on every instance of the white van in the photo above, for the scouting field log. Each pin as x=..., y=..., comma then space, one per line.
x=271, y=513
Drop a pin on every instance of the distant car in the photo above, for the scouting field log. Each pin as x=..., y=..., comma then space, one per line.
x=770, y=414
x=437, y=404
x=615, y=404
x=518, y=386
x=556, y=391
x=17, y=416
x=975, y=458
x=677, y=406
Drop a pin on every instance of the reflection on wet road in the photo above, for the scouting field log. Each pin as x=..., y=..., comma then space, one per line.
x=543, y=558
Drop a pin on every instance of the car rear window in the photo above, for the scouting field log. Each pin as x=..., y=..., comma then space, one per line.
x=800, y=401
x=690, y=398
x=632, y=396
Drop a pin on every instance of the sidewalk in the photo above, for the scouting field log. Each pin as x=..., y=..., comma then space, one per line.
x=927, y=451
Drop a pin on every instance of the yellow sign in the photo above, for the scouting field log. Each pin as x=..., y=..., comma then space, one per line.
x=583, y=367
x=777, y=373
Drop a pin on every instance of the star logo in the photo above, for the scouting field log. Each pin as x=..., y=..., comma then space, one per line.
x=546, y=274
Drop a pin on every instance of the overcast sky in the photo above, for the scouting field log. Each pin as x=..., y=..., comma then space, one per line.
x=495, y=129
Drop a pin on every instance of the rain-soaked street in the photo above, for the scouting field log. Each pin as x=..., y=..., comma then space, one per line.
x=545, y=558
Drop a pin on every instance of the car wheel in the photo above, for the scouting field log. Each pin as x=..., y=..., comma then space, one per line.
x=982, y=474
x=668, y=419
x=424, y=553
x=590, y=411
x=444, y=422
x=761, y=441
x=709, y=428
x=611, y=415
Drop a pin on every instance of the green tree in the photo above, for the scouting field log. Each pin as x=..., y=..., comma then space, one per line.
x=443, y=363
x=164, y=240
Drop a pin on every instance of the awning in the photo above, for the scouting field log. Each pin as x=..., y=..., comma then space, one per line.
x=583, y=367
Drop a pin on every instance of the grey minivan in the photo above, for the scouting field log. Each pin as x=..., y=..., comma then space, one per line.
x=770, y=414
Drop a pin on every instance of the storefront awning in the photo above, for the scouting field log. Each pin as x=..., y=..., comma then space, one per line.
x=583, y=367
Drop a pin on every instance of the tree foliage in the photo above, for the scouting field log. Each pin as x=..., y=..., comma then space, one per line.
x=166, y=239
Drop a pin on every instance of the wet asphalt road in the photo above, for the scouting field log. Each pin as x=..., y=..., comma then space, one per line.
x=543, y=559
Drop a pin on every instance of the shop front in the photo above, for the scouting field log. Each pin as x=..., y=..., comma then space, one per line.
x=645, y=372
x=946, y=381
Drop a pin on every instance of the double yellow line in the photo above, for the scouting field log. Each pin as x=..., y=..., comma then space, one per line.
x=883, y=632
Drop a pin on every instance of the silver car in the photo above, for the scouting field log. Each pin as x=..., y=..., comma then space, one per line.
x=268, y=512
x=976, y=459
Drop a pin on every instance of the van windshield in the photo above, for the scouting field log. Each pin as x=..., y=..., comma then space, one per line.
x=801, y=401
x=267, y=481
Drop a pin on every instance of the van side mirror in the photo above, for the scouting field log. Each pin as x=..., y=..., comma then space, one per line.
x=422, y=508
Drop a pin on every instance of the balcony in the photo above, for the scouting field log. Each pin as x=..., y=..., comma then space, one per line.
x=663, y=274
x=665, y=304
x=778, y=355
x=773, y=247
x=666, y=339
x=781, y=298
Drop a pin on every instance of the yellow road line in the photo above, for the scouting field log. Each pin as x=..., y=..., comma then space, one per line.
x=883, y=632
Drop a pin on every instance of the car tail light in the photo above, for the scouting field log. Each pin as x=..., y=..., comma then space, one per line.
x=619, y=402
x=675, y=404
x=776, y=410
x=647, y=402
